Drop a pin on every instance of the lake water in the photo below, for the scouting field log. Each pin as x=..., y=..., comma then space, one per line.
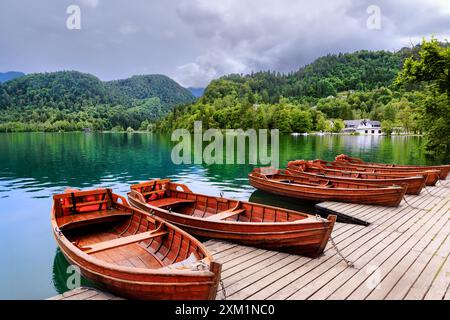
x=33, y=166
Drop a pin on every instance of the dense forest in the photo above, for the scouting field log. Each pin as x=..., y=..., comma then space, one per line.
x=343, y=86
x=70, y=100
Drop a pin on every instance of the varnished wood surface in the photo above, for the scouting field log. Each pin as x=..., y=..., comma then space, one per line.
x=444, y=169
x=415, y=184
x=285, y=183
x=243, y=222
x=432, y=174
x=129, y=252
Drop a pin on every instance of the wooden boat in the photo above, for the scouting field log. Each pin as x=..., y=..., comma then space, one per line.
x=444, y=169
x=432, y=175
x=129, y=252
x=243, y=222
x=284, y=183
x=303, y=168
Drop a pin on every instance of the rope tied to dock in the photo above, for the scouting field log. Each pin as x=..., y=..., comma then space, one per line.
x=429, y=192
x=224, y=293
x=445, y=185
x=333, y=243
x=413, y=207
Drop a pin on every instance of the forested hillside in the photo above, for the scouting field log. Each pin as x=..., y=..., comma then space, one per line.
x=70, y=100
x=343, y=86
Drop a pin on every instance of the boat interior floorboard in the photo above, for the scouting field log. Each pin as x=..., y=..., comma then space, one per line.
x=131, y=255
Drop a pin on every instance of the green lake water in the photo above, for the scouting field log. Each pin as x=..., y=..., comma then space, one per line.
x=33, y=166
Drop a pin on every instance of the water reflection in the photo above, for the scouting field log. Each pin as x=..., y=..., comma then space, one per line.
x=61, y=274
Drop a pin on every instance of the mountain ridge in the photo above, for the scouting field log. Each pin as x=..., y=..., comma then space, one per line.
x=9, y=75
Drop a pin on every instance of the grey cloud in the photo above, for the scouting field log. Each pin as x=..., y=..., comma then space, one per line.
x=195, y=41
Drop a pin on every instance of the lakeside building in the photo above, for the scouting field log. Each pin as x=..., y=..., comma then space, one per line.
x=362, y=126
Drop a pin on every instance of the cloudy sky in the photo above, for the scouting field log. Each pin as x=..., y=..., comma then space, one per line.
x=195, y=41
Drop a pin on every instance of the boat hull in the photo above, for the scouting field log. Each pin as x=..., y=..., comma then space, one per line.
x=432, y=175
x=414, y=184
x=135, y=255
x=307, y=236
x=138, y=287
x=291, y=239
x=389, y=196
x=444, y=169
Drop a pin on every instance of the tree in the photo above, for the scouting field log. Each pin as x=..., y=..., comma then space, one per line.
x=338, y=125
x=387, y=126
x=432, y=67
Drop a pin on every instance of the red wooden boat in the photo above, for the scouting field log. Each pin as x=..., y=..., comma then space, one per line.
x=432, y=175
x=444, y=169
x=129, y=252
x=284, y=183
x=243, y=222
x=303, y=168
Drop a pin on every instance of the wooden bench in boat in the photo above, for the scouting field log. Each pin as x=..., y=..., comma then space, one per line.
x=123, y=241
x=67, y=221
x=225, y=214
x=165, y=202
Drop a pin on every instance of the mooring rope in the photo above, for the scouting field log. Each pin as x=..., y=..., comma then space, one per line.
x=417, y=208
x=429, y=192
x=333, y=243
x=224, y=293
x=445, y=185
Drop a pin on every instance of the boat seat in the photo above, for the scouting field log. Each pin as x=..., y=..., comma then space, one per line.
x=225, y=214
x=166, y=202
x=73, y=220
x=120, y=242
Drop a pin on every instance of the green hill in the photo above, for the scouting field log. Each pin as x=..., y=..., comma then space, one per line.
x=328, y=75
x=340, y=86
x=71, y=100
x=148, y=86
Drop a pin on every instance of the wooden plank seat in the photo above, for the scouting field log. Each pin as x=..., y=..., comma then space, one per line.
x=225, y=214
x=166, y=202
x=73, y=220
x=123, y=241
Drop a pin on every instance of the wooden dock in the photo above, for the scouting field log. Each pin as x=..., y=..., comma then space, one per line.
x=402, y=254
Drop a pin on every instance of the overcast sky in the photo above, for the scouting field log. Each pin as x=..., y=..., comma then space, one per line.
x=195, y=41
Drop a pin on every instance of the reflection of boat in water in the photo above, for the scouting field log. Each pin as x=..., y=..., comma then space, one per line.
x=62, y=272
